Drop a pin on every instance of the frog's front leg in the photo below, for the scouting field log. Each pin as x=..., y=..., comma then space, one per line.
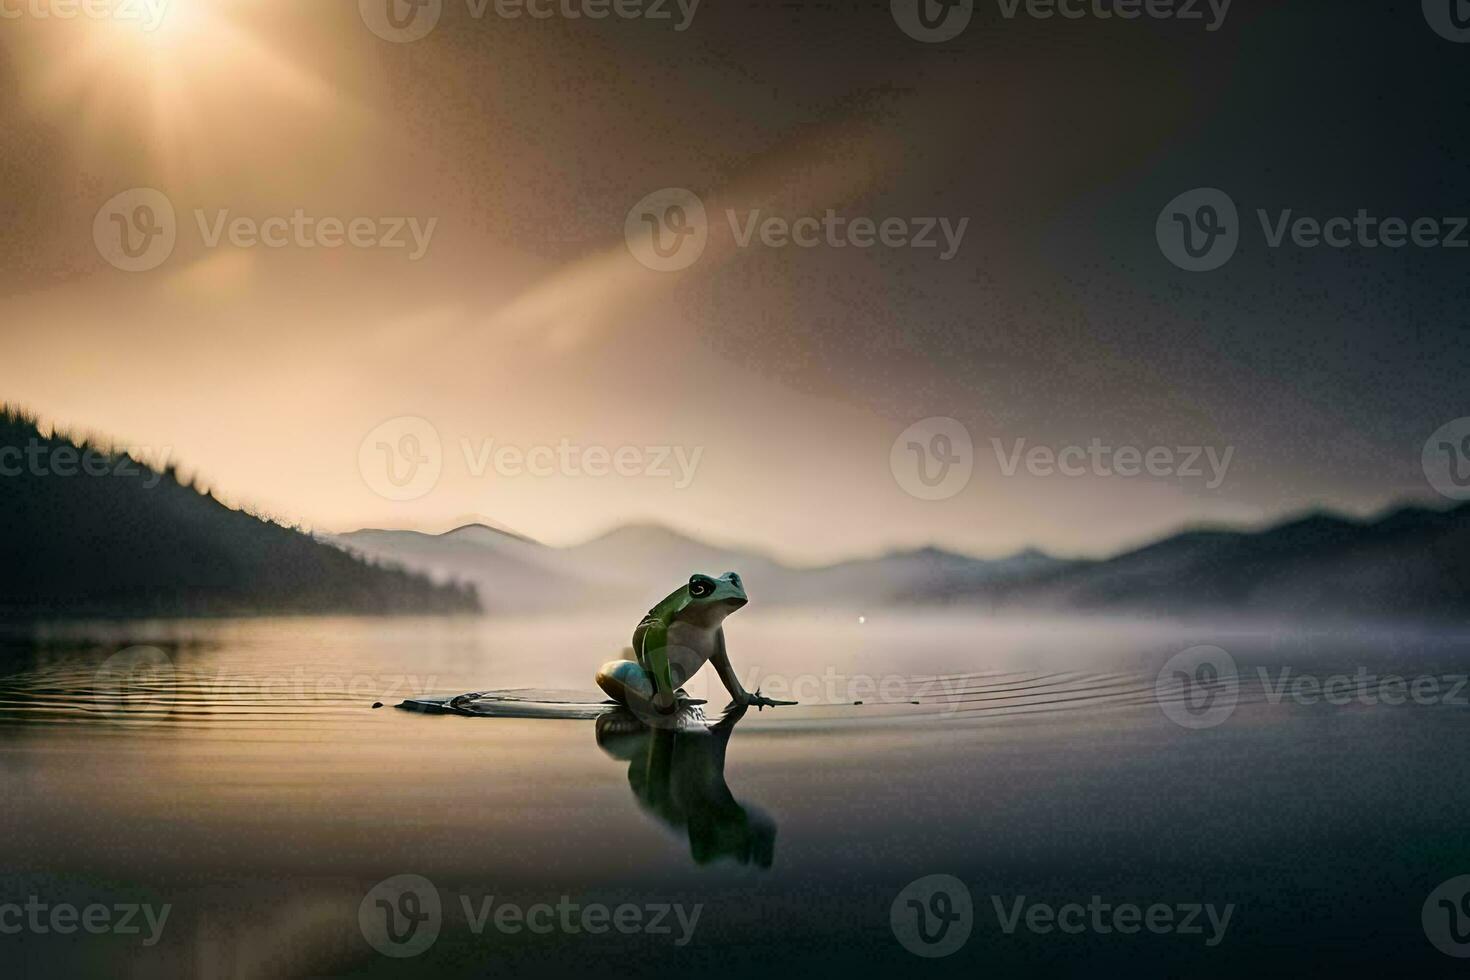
x=721, y=660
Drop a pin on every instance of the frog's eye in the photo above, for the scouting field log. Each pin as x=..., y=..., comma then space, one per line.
x=700, y=587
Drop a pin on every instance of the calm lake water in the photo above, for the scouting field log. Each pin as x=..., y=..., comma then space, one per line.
x=236, y=773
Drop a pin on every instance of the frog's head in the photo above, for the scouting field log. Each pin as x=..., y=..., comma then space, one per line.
x=708, y=600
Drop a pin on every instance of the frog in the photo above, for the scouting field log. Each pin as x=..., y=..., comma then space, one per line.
x=673, y=641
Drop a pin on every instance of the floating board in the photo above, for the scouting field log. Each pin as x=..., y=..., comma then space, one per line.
x=517, y=703
x=538, y=703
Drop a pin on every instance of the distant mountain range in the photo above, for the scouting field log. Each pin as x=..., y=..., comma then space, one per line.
x=639, y=564
x=1413, y=563
x=85, y=531
x=635, y=566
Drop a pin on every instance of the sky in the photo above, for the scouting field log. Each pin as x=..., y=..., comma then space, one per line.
x=499, y=330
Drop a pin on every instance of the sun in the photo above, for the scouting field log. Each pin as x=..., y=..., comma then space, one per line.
x=180, y=77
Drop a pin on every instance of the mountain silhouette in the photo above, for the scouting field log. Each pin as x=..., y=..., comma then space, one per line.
x=86, y=531
x=638, y=564
x=510, y=572
x=1412, y=563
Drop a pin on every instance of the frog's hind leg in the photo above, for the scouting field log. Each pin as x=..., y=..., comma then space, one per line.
x=620, y=678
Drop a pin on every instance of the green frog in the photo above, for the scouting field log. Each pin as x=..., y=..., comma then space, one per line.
x=677, y=637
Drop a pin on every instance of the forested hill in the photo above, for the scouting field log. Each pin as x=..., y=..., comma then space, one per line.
x=87, y=531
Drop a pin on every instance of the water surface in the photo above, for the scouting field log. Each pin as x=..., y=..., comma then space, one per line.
x=245, y=780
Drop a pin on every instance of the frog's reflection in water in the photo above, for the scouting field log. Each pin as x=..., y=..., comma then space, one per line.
x=679, y=777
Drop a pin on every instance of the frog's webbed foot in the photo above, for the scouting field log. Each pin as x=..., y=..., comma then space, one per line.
x=760, y=703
